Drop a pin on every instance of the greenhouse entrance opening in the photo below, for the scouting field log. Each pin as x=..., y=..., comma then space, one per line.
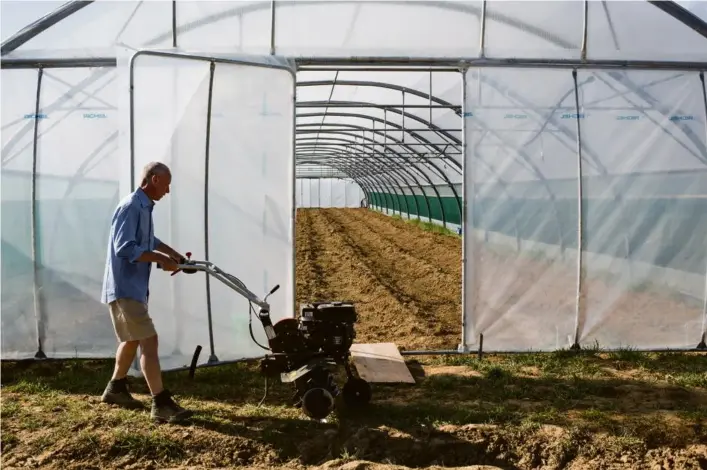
x=225, y=129
x=379, y=199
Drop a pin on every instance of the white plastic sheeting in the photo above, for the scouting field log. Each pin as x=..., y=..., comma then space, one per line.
x=233, y=208
x=513, y=29
x=76, y=189
x=83, y=169
x=640, y=280
x=327, y=192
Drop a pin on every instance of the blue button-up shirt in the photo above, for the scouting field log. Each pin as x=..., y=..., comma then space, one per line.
x=131, y=234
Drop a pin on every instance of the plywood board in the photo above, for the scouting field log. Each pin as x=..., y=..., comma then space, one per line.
x=380, y=363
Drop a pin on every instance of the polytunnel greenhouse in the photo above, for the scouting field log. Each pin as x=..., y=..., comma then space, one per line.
x=568, y=132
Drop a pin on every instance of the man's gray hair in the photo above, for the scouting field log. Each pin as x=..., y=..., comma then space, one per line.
x=153, y=168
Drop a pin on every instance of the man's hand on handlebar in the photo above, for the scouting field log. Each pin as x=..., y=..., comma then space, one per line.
x=184, y=261
x=168, y=264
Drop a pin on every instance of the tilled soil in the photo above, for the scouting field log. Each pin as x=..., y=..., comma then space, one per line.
x=406, y=283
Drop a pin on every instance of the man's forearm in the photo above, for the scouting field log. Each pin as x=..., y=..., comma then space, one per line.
x=151, y=257
x=169, y=251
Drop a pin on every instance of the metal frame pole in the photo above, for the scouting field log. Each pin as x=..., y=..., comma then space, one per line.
x=580, y=223
x=482, y=33
x=272, y=27
x=392, y=63
x=212, y=68
x=585, y=23
x=174, y=23
x=467, y=232
x=702, y=344
x=40, y=354
x=293, y=214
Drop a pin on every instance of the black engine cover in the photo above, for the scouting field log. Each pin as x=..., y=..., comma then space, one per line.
x=328, y=326
x=333, y=312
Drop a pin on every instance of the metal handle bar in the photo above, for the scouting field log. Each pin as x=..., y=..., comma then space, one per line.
x=231, y=281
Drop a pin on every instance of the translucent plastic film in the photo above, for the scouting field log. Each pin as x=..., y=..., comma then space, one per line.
x=645, y=212
x=314, y=193
x=520, y=237
x=251, y=190
x=627, y=30
x=353, y=194
x=76, y=189
x=449, y=29
x=170, y=99
x=642, y=138
x=338, y=193
x=551, y=29
x=384, y=28
x=95, y=30
x=304, y=191
x=334, y=192
x=19, y=316
x=298, y=193
x=325, y=192
x=233, y=208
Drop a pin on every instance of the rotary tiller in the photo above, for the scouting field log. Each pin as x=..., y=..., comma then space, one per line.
x=305, y=350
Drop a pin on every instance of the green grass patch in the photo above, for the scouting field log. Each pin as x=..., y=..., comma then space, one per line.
x=432, y=227
x=633, y=398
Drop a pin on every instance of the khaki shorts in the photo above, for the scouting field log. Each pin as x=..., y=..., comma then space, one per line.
x=131, y=320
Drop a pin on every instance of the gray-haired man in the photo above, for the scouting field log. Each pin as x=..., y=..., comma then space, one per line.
x=132, y=249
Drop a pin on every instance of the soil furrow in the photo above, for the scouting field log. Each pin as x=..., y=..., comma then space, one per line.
x=311, y=278
x=412, y=275
x=433, y=304
x=320, y=287
x=350, y=276
x=439, y=257
x=422, y=238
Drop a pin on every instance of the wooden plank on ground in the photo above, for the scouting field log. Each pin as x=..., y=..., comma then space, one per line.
x=380, y=363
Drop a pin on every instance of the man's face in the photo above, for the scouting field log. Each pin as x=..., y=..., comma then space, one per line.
x=161, y=183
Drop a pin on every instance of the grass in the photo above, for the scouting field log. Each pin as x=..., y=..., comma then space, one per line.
x=624, y=401
x=428, y=226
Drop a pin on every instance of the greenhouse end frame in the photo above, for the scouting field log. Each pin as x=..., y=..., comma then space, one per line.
x=403, y=173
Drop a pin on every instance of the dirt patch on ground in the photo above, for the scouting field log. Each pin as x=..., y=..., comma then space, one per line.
x=247, y=443
x=499, y=412
x=400, y=293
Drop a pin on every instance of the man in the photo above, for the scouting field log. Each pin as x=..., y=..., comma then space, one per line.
x=132, y=249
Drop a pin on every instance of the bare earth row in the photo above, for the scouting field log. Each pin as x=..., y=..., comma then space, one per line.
x=406, y=283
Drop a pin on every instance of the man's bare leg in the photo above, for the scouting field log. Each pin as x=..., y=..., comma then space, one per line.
x=163, y=406
x=123, y=358
x=150, y=363
x=116, y=391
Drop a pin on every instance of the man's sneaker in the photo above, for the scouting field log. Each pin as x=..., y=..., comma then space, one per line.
x=165, y=410
x=117, y=393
